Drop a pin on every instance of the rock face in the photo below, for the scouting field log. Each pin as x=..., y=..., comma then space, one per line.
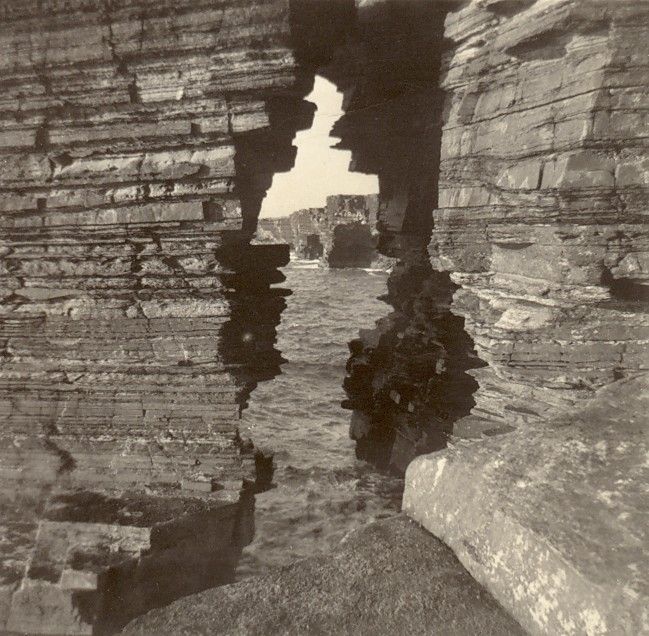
x=540, y=224
x=342, y=234
x=299, y=231
x=137, y=140
x=542, y=196
x=349, y=235
x=135, y=318
x=553, y=521
x=540, y=244
x=388, y=578
x=407, y=382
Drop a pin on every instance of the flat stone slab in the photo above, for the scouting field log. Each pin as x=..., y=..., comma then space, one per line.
x=390, y=577
x=554, y=522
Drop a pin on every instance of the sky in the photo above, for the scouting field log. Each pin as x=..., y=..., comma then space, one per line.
x=319, y=169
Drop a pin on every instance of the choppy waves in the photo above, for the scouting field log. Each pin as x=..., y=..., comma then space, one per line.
x=322, y=492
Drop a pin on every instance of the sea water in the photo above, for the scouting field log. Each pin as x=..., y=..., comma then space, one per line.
x=321, y=492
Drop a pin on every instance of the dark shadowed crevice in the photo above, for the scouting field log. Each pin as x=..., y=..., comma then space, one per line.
x=353, y=246
x=625, y=289
x=247, y=340
x=407, y=379
x=313, y=248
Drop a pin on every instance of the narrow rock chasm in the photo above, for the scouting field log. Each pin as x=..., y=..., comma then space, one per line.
x=136, y=317
x=407, y=379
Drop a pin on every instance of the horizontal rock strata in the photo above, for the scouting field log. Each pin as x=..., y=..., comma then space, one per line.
x=341, y=234
x=299, y=230
x=137, y=140
x=541, y=217
x=538, y=278
x=538, y=226
x=541, y=225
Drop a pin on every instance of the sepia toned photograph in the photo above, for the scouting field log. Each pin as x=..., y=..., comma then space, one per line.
x=324, y=317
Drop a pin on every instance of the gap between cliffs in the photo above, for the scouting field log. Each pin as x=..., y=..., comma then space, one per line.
x=407, y=379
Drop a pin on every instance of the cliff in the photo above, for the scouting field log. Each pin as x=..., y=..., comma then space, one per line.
x=135, y=318
x=542, y=190
x=299, y=230
x=527, y=329
x=537, y=237
x=342, y=234
x=509, y=137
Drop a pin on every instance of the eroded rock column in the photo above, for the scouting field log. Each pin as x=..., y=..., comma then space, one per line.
x=407, y=381
x=137, y=141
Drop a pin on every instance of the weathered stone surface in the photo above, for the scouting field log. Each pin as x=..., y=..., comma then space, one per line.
x=538, y=228
x=537, y=219
x=407, y=379
x=554, y=521
x=388, y=578
x=135, y=318
x=298, y=230
x=90, y=562
x=541, y=213
x=137, y=141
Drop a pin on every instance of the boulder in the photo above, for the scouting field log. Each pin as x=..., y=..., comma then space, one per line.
x=553, y=522
x=390, y=577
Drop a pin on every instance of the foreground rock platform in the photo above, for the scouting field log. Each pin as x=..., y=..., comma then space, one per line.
x=554, y=522
x=391, y=577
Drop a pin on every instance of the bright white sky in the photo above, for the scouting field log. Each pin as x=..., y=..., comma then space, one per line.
x=319, y=169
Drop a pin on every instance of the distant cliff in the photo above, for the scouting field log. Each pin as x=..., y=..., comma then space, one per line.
x=341, y=234
x=299, y=230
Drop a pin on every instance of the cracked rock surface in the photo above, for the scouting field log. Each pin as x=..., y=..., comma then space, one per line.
x=135, y=318
x=342, y=234
x=541, y=216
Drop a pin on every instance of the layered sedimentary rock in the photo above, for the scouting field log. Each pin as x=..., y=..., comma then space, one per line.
x=541, y=223
x=543, y=191
x=137, y=139
x=349, y=235
x=135, y=148
x=539, y=228
x=299, y=230
x=342, y=234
